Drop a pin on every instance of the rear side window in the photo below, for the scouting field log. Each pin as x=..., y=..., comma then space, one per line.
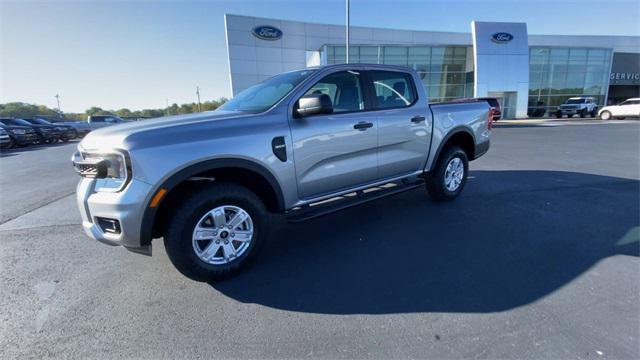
x=392, y=89
x=493, y=103
x=344, y=90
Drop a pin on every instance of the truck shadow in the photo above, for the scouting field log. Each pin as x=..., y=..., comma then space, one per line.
x=512, y=238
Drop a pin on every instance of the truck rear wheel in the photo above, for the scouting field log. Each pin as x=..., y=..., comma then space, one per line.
x=450, y=175
x=216, y=231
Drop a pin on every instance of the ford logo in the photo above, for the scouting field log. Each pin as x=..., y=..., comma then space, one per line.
x=501, y=37
x=266, y=32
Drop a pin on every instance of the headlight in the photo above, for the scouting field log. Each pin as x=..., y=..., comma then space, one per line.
x=112, y=171
x=19, y=131
x=60, y=129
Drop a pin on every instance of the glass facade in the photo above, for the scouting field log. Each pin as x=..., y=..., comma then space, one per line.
x=443, y=69
x=556, y=74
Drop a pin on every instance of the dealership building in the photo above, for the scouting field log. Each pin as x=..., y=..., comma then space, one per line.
x=530, y=74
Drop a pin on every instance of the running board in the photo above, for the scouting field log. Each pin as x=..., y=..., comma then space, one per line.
x=346, y=201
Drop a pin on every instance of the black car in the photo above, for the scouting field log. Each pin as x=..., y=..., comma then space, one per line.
x=64, y=132
x=5, y=140
x=20, y=135
x=46, y=133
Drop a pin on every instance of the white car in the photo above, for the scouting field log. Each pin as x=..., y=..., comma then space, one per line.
x=629, y=107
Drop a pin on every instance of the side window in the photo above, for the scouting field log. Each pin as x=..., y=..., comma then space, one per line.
x=392, y=89
x=343, y=89
x=97, y=120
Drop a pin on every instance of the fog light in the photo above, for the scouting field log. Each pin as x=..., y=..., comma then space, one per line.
x=111, y=226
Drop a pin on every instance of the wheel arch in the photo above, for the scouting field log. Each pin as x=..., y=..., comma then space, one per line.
x=460, y=136
x=252, y=174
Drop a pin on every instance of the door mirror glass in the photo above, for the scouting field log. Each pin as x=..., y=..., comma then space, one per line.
x=313, y=104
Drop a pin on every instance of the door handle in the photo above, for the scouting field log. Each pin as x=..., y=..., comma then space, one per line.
x=417, y=119
x=362, y=126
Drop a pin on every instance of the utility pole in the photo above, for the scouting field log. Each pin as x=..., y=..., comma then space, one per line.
x=347, y=34
x=58, y=100
x=198, y=94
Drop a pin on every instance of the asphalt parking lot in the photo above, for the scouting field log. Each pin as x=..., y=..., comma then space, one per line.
x=538, y=258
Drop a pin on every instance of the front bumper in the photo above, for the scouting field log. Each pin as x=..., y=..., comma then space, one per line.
x=25, y=139
x=569, y=111
x=67, y=134
x=126, y=206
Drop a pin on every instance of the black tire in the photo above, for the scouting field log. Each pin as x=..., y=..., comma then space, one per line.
x=594, y=112
x=178, y=237
x=559, y=115
x=64, y=139
x=436, y=180
x=9, y=145
x=583, y=113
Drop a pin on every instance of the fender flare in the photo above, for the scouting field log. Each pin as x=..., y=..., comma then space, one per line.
x=149, y=216
x=455, y=131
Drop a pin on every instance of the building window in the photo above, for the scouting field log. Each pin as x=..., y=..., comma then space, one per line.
x=443, y=69
x=556, y=74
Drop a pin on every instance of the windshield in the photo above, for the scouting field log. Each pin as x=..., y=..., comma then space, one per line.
x=575, y=101
x=264, y=95
x=18, y=122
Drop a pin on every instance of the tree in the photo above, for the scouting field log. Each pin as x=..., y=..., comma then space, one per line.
x=97, y=111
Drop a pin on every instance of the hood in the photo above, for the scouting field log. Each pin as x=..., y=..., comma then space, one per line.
x=115, y=136
x=42, y=126
x=12, y=127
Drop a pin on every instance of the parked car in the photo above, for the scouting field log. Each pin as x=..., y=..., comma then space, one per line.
x=81, y=127
x=63, y=132
x=629, y=107
x=20, y=135
x=207, y=182
x=5, y=140
x=46, y=133
x=100, y=121
x=582, y=106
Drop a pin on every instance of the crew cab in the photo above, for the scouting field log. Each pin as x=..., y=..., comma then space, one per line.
x=627, y=108
x=582, y=106
x=301, y=144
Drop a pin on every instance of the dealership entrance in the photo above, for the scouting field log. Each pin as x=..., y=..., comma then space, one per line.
x=624, y=80
x=508, y=101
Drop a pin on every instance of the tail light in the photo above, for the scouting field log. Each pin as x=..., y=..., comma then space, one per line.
x=490, y=118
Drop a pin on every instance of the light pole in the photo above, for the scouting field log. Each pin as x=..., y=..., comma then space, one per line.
x=198, y=94
x=347, y=34
x=58, y=101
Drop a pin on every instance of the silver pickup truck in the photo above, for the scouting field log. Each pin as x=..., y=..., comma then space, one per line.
x=303, y=144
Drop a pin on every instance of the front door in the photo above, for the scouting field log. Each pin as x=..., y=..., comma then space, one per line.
x=336, y=151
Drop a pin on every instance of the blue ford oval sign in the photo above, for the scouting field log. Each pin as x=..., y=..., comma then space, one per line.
x=501, y=37
x=266, y=32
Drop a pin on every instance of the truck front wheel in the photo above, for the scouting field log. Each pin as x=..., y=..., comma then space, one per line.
x=450, y=175
x=216, y=231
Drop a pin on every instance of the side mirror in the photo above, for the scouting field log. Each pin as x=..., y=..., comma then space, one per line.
x=313, y=104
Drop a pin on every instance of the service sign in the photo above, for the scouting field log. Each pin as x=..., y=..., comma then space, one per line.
x=266, y=32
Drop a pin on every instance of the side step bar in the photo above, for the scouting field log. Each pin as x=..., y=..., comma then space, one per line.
x=346, y=201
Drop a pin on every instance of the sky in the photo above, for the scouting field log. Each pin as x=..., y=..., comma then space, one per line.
x=143, y=54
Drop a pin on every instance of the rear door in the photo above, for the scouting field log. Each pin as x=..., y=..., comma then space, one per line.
x=336, y=151
x=403, y=127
